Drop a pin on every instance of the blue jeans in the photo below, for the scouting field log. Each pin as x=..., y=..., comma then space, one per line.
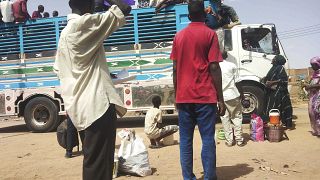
x=203, y=115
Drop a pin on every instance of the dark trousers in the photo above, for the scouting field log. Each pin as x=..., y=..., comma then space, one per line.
x=72, y=136
x=98, y=147
x=203, y=115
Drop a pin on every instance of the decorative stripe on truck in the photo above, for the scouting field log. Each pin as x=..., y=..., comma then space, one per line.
x=53, y=83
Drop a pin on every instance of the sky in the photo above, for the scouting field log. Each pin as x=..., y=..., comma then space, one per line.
x=297, y=22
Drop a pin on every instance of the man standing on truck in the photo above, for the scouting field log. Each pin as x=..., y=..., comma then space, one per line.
x=229, y=17
x=20, y=12
x=89, y=95
x=225, y=18
x=55, y=13
x=6, y=9
x=198, y=89
x=37, y=14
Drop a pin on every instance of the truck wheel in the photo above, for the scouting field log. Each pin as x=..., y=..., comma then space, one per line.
x=256, y=97
x=41, y=115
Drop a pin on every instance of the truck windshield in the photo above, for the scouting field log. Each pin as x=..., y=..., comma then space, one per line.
x=257, y=40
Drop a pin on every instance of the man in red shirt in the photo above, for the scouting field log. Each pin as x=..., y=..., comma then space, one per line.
x=20, y=12
x=197, y=81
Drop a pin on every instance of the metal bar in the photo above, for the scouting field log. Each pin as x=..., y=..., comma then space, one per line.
x=135, y=22
x=21, y=39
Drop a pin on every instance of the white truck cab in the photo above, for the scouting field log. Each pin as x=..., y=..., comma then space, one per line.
x=252, y=47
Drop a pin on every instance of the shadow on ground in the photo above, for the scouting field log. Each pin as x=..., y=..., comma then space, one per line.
x=232, y=172
x=14, y=129
x=154, y=172
x=121, y=123
x=131, y=122
x=246, y=137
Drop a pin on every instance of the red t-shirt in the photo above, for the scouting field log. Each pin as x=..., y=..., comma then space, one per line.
x=20, y=12
x=194, y=48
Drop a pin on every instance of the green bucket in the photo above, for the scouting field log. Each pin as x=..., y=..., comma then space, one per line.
x=221, y=135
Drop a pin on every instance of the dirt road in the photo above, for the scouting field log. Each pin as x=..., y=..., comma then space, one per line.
x=26, y=155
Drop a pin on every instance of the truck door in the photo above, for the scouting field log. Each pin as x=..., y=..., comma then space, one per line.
x=255, y=51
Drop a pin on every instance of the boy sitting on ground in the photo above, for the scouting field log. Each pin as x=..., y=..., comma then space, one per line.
x=154, y=128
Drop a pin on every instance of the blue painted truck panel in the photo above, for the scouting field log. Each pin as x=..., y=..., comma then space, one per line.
x=26, y=48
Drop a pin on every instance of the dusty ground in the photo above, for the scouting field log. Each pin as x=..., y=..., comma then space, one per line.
x=26, y=155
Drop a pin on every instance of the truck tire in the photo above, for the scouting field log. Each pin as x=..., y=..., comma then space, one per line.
x=256, y=98
x=41, y=115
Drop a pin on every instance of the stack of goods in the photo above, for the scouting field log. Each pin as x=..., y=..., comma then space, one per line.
x=256, y=127
x=274, y=130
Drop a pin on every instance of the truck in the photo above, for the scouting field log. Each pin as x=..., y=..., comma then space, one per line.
x=30, y=89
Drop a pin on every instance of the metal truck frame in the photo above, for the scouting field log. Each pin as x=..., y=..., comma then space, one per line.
x=30, y=88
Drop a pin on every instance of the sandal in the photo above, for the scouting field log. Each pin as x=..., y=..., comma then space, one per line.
x=241, y=144
x=155, y=146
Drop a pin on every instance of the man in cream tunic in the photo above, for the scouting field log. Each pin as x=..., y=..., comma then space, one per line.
x=89, y=95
